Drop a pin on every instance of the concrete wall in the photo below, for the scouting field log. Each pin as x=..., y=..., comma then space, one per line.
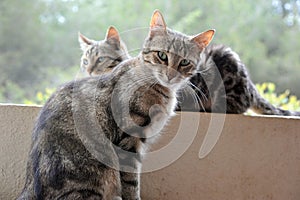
x=254, y=157
x=16, y=123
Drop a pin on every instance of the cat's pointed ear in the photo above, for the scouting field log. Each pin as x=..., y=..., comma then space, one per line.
x=203, y=39
x=84, y=41
x=157, y=23
x=112, y=35
x=157, y=20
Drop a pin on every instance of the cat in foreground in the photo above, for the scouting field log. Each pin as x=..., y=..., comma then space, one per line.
x=222, y=85
x=89, y=136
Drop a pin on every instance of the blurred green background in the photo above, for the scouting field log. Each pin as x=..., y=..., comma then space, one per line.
x=39, y=47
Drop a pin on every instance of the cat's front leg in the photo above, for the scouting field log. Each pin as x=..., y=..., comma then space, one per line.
x=159, y=118
x=130, y=167
x=130, y=186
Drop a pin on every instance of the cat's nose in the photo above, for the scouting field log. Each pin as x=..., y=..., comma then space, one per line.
x=91, y=71
x=171, y=73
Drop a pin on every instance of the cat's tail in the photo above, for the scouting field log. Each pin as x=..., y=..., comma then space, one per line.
x=261, y=106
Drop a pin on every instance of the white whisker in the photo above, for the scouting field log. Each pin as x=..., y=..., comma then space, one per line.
x=199, y=90
x=188, y=90
x=204, y=71
x=196, y=98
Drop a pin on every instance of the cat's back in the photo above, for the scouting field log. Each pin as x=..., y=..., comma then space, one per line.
x=224, y=58
x=85, y=94
x=59, y=108
x=59, y=160
x=223, y=65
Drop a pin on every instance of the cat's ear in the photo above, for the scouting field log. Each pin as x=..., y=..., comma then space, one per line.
x=157, y=24
x=84, y=41
x=112, y=35
x=203, y=39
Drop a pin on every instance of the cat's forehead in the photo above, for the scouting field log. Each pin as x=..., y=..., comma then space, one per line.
x=102, y=48
x=174, y=42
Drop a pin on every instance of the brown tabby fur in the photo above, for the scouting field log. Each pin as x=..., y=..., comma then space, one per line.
x=222, y=85
x=102, y=56
x=89, y=136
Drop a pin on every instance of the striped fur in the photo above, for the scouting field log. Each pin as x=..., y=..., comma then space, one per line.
x=89, y=136
x=100, y=57
x=225, y=86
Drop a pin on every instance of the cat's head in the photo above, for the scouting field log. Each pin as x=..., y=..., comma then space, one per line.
x=102, y=56
x=175, y=56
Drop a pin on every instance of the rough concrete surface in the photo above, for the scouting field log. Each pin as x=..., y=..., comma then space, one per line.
x=254, y=157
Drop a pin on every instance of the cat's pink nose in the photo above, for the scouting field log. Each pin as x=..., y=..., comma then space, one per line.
x=89, y=71
x=171, y=73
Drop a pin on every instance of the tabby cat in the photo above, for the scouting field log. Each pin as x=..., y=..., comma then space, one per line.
x=225, y=86
x=102, y=56
x=222, y=85
x=89, y=136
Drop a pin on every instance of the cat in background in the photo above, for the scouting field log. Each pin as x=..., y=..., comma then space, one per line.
x=223, y=84
x=92, y=128
x=99, y=57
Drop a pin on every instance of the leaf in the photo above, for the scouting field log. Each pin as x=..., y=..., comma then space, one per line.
x=39, y=96
x=283, y=100
x=271, y=87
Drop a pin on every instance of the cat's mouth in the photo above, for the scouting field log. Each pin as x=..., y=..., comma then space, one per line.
x=173, y=80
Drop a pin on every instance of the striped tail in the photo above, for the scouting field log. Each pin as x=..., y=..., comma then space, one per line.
x=261, y=106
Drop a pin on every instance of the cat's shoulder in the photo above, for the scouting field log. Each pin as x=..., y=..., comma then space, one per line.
x=125, y=66
x=86, y=85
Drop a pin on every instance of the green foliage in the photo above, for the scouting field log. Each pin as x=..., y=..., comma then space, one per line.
x=18, y=93
x=39, y=47
x=40, y=98
x=285, y=100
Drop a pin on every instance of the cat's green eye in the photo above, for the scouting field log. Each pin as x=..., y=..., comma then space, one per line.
x=162, y=55
x=100, y=59
x=85, y=62
x=184, y=62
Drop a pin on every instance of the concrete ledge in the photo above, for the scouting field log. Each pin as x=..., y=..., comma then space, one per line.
x=254, y=158
x=15, y=132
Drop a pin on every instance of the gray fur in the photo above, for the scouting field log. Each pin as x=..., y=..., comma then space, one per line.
x=89, y=136
x=224, y=86
x=99, y=57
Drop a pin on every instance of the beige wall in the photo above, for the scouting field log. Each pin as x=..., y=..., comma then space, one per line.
x=16, y=123
x=254, y=158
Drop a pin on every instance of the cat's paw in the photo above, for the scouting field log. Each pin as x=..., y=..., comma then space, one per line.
x=158, y=120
